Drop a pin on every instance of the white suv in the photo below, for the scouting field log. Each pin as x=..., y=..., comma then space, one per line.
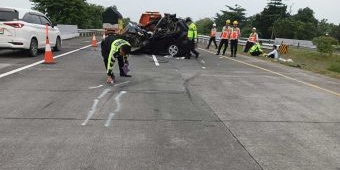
x=26, y=29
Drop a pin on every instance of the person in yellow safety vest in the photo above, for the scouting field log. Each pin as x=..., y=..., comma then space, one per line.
x=253, y=38
x=212, y=36
x=120, y=49
x=224, y=38
x=256, y=50
x=235, y=34
x=192, y=36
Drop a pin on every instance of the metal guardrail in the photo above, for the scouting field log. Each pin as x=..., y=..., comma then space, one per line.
x=90, y=32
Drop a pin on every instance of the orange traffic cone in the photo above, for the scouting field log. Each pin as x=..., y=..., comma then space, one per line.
x=94, y=41
x=48, y=53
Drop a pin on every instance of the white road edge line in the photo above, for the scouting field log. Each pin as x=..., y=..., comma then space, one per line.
x=39, y=62
x=155, y=59
x=282, y=75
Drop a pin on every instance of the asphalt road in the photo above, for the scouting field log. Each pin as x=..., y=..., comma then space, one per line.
x=201, y=114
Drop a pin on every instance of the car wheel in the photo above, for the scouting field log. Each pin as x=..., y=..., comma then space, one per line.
x=33, y=51
x=57, y=46
x=173, y=50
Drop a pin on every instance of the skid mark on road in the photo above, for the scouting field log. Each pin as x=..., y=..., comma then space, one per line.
x=96, y=101
x=95, y=87
x=91, y=112
x=118, y=106
x=279, y=74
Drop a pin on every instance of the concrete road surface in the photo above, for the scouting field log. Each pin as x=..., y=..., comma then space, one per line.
x=210, y=113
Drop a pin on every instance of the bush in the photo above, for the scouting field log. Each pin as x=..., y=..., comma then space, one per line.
x=335, y=67
x=324, y=44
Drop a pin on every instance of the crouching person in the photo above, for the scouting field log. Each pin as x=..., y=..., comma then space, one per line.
x=105, y=50
x=120, y=50
x=256, y=50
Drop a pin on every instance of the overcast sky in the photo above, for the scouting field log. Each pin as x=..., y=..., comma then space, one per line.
x=324, y=9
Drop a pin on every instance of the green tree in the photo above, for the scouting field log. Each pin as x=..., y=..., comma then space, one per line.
x=306, y=15
x=336, y=32
x=75, y=12
x=301, y=26
x=94, y=16
x=273, y=12
x=237, y=13
x=204, y=25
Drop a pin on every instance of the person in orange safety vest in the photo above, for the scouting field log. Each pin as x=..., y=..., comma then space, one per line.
x=235, y=34
x=224, y=38
x=212, y=36
x=253, y=39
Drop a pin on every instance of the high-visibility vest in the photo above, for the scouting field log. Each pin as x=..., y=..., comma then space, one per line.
x=115, y=47
x=256, y=47
x=235, y=33
x=192, y=31
x=253, y=37
x=213, y=32
x=225, y=32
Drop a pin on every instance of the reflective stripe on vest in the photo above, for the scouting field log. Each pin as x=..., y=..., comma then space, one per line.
x=234, y=33
x=115, y=46
x=252, y=37
x=225, y=32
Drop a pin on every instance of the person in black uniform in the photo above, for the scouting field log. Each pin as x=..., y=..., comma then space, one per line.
x=121, y=55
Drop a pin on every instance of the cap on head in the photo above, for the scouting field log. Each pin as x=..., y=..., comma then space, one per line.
x=227, y=21
x=188, y=19
x=235, y=23
x=254, y=28
x=214, y=25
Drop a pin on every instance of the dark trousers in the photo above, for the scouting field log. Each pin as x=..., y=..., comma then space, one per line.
x=212, y=39
x=233, y=47
x=248, y=46
x=256, y=53
x=225, y=43
x=271, y=56
x=121, y=64
x=192, y=49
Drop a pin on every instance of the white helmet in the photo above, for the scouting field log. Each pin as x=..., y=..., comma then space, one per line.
x=214, y=25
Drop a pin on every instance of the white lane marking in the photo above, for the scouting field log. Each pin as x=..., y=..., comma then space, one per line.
x=117, y=100
x=121, y=83
x=204, y=67
x=39, y=62
x=282, y=75
x=104, y=93
x=155, y=59
x=91, y=112
x=95, y=87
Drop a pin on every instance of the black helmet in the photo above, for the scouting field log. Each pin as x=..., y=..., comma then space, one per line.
x=188, y=19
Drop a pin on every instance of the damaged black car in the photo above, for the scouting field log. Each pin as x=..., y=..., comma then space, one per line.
x=169, y=37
